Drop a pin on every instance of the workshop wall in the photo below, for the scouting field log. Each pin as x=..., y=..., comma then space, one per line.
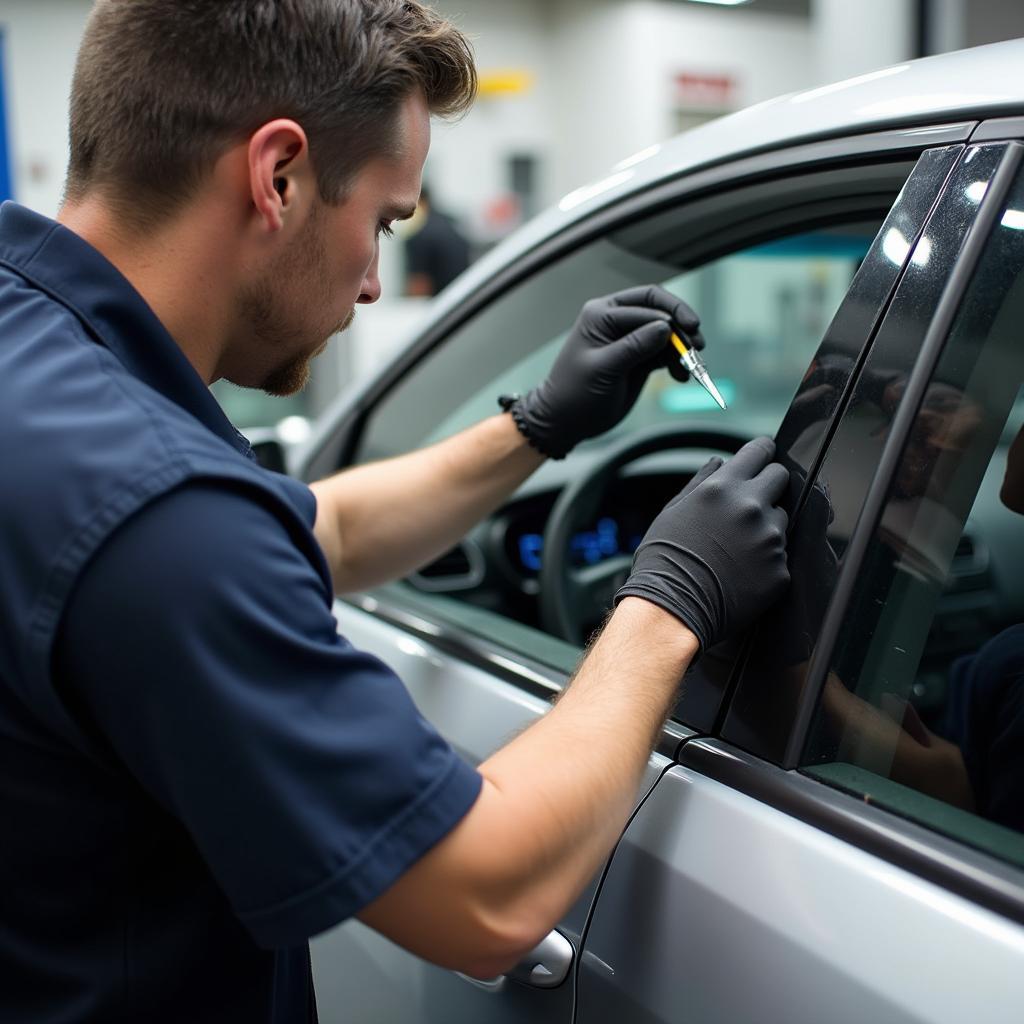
x=41, y=40
x=571, y=87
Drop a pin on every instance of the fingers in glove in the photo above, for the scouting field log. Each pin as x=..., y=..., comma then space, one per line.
x=656, y=297
x=613, y=322
x=670, y=360
x=771, y=483
x=639, y=346
x=778, y=518
x=711, y=466
x=750, y=459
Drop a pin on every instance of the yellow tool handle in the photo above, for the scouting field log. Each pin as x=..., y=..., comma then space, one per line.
x=678, y=342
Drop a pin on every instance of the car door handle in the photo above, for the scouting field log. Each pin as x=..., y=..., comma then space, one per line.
x=547, y=964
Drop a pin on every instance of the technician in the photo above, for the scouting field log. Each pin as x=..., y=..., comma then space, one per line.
x=196, y=772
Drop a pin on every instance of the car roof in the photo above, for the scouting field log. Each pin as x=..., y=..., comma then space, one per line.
x=985, y=81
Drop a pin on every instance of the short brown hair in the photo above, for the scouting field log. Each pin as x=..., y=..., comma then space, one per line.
x=163, y=87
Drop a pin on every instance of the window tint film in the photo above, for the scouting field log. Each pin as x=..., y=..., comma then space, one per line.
x=763, y=713
x=922, y=710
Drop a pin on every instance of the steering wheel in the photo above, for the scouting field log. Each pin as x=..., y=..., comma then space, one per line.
x=572, y=597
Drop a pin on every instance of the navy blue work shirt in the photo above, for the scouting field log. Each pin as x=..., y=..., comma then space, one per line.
x=196, y=772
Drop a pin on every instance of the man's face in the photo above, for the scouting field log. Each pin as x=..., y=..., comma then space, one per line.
x=311, y=289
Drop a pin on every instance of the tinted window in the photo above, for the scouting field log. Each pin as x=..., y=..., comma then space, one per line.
x=923, y=706
x=763, y=714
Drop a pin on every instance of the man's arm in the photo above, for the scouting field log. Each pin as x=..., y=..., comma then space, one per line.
x=556, y=798
x=380, y=521
x=553, y=803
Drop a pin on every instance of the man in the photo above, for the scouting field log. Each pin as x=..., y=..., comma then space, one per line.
x=197, y=772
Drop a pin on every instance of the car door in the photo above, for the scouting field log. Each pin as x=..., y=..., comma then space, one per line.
x=848, y=844
x=769, y=250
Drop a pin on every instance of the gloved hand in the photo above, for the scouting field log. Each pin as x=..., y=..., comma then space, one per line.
x=715, y=557
x=614, y=345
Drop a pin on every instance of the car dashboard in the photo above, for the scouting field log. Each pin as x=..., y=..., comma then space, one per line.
x=497, y=565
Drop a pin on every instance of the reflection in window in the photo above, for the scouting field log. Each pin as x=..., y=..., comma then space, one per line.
x=923, y=709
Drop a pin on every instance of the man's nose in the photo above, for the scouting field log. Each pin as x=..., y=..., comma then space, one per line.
x=370, y=290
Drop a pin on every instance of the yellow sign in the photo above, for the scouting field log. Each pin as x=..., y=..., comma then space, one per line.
x=504, y=83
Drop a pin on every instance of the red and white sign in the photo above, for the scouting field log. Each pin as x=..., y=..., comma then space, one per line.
x=704, y=89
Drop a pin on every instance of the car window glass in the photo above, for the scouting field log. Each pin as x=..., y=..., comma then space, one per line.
x=762, y=714
x=764, y=308
x=922, y=710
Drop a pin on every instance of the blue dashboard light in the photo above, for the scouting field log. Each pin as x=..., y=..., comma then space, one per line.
x=530, y=547
x=608, y=537
x=588, y=547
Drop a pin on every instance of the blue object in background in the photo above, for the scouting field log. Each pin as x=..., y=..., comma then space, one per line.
x=6, y=192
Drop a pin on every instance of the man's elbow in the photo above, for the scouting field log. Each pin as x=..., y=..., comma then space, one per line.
x=474, y=936
x=494, y=943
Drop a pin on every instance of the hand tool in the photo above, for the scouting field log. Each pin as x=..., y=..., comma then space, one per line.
x=690, y=358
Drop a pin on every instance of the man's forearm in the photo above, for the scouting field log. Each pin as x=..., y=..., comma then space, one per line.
x=380, y=521
x=553, y=804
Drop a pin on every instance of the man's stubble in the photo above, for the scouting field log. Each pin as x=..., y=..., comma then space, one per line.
x=274, y=309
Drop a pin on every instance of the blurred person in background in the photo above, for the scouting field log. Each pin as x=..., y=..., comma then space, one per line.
x=435, y=250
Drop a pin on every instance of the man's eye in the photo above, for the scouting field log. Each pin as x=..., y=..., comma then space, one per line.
x=384, y=228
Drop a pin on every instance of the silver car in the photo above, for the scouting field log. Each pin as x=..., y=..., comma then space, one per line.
x=832, y=826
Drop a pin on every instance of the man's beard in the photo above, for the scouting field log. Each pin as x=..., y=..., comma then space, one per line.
x=273, y=320
x=293, y=376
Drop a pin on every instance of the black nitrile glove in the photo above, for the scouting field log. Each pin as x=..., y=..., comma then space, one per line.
x=614, y=345
x=715, y=557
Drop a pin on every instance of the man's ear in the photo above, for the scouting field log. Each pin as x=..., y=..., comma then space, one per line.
x=279, y=171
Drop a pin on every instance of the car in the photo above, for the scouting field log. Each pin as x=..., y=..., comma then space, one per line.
x=832, y=824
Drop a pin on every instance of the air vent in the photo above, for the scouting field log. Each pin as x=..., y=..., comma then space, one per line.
x=461, y=568
x=451, y=563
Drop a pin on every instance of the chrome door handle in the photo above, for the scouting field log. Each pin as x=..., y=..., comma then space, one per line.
x=547, y=964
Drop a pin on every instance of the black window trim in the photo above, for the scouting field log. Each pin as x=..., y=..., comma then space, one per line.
x=864, y=530
x=741, y=663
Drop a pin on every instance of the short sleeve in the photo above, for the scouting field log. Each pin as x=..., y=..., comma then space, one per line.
x=201, y=642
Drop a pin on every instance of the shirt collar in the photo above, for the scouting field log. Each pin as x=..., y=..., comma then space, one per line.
x=76, y=275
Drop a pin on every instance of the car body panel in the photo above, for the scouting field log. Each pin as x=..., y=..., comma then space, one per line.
x=718, y=907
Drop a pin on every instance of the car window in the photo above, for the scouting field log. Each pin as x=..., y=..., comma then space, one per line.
x=764, y=308
x=922, y=710
x=916, y=247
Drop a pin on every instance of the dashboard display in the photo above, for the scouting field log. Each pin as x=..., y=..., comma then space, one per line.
x=587, y=547
x=621, y=520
